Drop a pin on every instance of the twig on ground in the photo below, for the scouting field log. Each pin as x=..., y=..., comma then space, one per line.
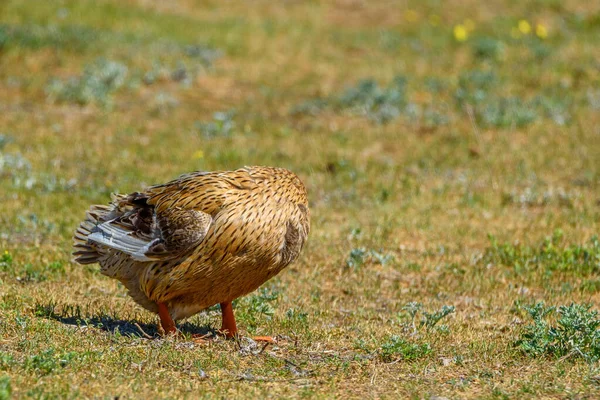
x=142, y=331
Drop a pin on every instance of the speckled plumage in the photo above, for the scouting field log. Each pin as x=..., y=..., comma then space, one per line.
x=202, y=239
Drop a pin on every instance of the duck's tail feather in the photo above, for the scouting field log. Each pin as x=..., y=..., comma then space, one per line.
x=85, y=250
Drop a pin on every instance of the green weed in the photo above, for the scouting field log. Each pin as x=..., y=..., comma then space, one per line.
x=49, y=361
x=356, y=258
x=359, y=256
x=96, y=85
x=488, y=48
x=574, y=333
x=222, y=125
x=398, y=348
x=507, y=112
x=5, y=388
x=423, y=319
x=258, y=306
x=6, y=261
x=7, y=361
x=380, y=104
x=5, y=139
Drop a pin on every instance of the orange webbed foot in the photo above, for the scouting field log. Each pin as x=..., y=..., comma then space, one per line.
x=265, y=339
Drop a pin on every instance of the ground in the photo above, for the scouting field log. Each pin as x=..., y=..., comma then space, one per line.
x=452, y=158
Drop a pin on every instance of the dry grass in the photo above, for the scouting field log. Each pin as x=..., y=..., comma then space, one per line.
x=401, y=210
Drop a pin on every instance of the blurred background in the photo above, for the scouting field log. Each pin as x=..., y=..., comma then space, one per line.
x=451, y=151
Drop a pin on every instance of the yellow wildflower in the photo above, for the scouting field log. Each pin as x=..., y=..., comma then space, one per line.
x=460, y=33
x=524, y=27
x=541, y=31
x=199, y=154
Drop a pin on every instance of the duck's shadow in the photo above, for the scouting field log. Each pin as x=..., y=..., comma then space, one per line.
x=75, y=316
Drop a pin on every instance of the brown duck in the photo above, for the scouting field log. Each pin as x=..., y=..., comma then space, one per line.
x=202, y=239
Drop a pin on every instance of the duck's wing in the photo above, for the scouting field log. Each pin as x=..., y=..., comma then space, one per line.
x=140, y=230
x=168, y=220
x=122, y=225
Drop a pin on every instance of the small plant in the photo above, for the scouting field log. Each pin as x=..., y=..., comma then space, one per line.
x=396, y=348
x=4, y=140
x=5, y=388
x=488, y=48
x=48, y=361
x=163, y=102
x=206, y=54
x=481, y=91
x=309, y=107
x=574, y=333
x=296, y=314
x=593, y=98
x=380, y=104
x=6, y=261
x=253, y=307
x=56, y=267
x=433, y=117
x=179, y=72
x=31, y=274
x=474, y=87
x=554, y=105
x=431, y=319
x=222, y=125
x=259, y=307
x=6, y=361
x=356, y=258
x=96, y=85
x=296, y=319
x=532, y=197
x=14, y=165
x=359, y=256
x=539, y=50
x=507, y=112
x=381, y=258
x=428, y=320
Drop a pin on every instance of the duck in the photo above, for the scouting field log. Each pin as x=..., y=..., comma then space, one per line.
x=203, y=239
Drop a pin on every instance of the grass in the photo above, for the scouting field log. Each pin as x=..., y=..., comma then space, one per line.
x=451, y=155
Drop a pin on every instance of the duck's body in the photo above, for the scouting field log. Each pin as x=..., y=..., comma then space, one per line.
x=202, y=239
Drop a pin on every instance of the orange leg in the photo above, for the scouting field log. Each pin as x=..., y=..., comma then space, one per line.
x=228, y=326
x=165, y=319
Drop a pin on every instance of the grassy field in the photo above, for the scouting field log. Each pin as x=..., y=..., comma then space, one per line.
x=452, y=157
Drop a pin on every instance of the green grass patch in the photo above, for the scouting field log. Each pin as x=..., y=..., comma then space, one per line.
x=74, y=38
x=574, y=332
x=552, y=254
